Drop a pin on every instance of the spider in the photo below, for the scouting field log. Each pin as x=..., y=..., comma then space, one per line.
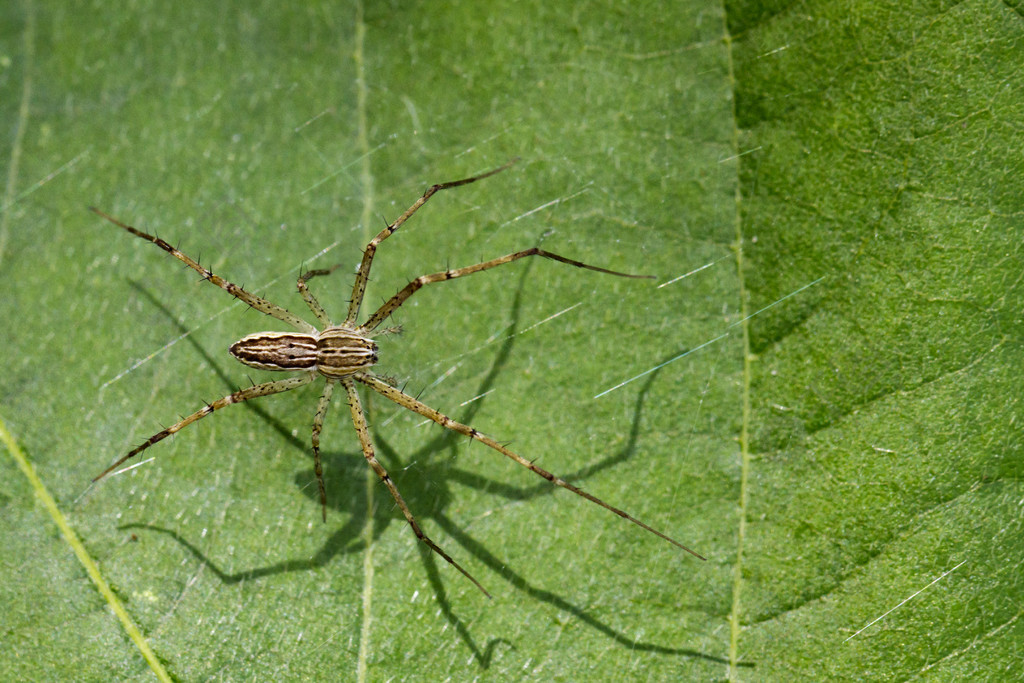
x=344, y=354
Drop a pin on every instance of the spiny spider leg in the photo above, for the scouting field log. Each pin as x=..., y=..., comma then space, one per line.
x=265, y=389
x=359, y=420
x=308, y=297
x=359, y=288
x=406, y=401
x=259, y=303
x=325, y=397
x=318, y=425
x=397, y=300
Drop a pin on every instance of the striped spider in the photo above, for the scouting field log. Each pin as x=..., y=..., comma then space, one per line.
x=345, y=353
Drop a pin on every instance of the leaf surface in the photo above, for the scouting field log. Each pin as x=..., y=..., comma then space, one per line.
x=831, y=416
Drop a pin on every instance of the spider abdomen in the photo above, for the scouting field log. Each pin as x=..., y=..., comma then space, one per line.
x=277, y=351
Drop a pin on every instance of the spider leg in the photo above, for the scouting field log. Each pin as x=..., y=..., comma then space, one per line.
x=308, y=297
x=359, y=421
x=397, y=300
x=318, y=425
x=256, y=391
x=259, y=303
x=407, y=401
x=359, y=288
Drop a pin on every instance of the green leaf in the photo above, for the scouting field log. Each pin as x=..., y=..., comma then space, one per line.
x=885, y=412
x=847, y=456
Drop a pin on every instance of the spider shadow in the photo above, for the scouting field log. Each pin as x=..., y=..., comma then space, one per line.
x=424, y=484
x=431, y=500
